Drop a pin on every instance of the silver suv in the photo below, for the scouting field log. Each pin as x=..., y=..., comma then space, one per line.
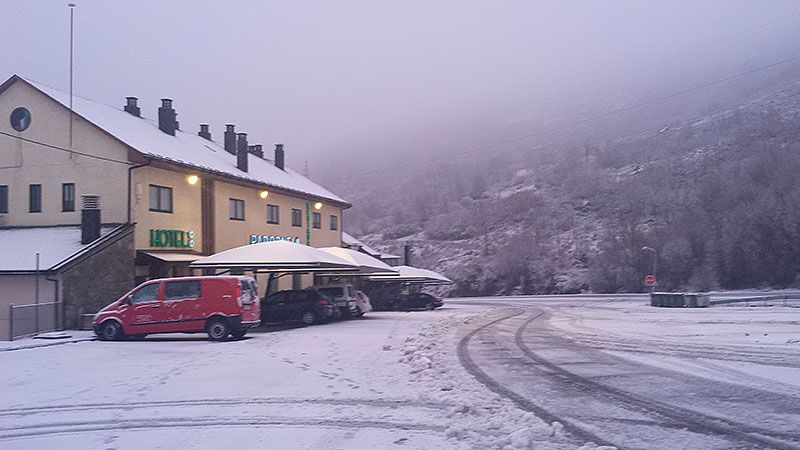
x=343, y=296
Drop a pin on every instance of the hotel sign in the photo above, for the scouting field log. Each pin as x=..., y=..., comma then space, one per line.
x=171, y=238
x=256, y=238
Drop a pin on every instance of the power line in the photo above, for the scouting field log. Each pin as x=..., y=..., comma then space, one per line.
x=606, y=79
x=598, y=116
x=55, y=147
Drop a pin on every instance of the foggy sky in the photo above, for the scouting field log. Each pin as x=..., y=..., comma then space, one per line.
x=324, y=77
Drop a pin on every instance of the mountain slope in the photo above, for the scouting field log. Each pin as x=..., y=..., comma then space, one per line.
x=716, y=194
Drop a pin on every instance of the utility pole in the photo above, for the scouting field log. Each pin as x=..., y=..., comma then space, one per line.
x=71, y=68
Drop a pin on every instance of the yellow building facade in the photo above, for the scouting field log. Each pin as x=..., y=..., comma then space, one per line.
x=186, y=194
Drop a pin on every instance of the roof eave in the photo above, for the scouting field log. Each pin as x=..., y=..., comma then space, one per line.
x=339, y=203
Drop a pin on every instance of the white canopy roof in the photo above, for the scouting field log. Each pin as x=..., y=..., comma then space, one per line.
x=275, y=256
x=367, y=265
x=410, y=274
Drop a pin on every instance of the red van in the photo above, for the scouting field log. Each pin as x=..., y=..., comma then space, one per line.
x=218, y=305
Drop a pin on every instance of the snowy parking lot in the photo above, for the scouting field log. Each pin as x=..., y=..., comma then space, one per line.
x=544, y=372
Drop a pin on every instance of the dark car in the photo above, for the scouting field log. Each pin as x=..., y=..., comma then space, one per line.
x=420, y=300
x=307, y=306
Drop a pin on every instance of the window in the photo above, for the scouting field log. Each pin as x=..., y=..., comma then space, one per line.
x=180, y=290
x=68, y=197
x=3, y=199
x=248, y=287
x=297, y=218
x=334, y=222
x=35, y=198
x=237, y=209
x=160, y=198
x=334, y=292
x=299, y=296
x=146, y=294
x=316, y=220
x=272, y=214
x=278, y=297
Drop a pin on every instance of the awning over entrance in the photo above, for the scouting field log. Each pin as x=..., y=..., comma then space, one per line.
x=171, y=257
x=275, y=256
x=413, y=275
x=367, y=265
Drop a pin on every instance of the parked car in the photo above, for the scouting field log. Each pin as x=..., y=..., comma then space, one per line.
x=420, y=300
x=344, y=298
x=218, y=305
x=306, y=305
x=362, y=303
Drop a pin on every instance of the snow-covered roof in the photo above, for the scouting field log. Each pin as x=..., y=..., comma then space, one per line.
x=185, y=148
x=279, y=256
x=366, y=264
x=54, y=245
x=351, y=241
x=410, y=274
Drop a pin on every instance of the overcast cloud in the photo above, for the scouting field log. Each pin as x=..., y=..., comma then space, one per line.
x=325, y=76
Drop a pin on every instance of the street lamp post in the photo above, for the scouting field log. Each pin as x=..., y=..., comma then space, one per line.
x=655, y=259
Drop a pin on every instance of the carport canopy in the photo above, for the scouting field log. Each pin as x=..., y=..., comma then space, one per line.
x=275, y=256
x=414, y=275
x=367, y=265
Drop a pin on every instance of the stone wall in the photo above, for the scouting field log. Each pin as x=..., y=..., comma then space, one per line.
x=98, y=280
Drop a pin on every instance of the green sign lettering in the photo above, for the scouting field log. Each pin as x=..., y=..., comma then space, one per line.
x=171, y=238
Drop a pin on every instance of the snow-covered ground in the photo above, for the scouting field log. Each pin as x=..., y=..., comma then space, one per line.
x=390, y=380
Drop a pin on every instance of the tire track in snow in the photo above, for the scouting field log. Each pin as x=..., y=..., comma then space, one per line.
x=680, y=417
x=24, y=411
x=522, y=402
x=648, y=345
x=54, y=428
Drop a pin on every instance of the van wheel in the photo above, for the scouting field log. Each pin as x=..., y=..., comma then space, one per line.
x=309, y=317
x=111, y=331
x=218, y=329
x=238, y=334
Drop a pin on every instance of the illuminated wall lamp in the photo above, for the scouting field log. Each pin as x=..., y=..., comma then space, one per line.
x=318, y=205
x=263, y=194
x=192, y=179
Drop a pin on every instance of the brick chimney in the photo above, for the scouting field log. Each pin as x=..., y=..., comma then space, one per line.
x=204, y=133
x=279, y=156
x=90, y=218
x=167, y=118
x=131, y=106
x=241, y=151
x=230, y=139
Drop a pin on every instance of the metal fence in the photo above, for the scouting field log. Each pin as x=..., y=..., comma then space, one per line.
x=762, y=300
x=24, y=320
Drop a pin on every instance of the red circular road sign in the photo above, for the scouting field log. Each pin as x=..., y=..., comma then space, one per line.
x=650, y=280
